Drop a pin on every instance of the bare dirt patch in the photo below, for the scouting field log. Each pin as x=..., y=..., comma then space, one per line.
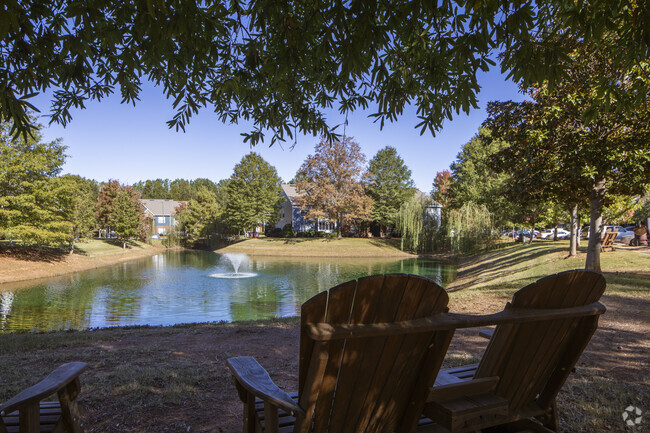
x=175, y=379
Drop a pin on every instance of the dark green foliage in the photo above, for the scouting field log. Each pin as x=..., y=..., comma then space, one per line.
x=127, y=214
x=253, y=193
x=153, y=189
x=287, y=231
x=282, y=64
x=573, y=141
x=76, y=197
x=181, y=190
x=476, y=180
x=177, y=189
x=126, y=217
x=29, y=204
x=389, y=184
x=198, y=218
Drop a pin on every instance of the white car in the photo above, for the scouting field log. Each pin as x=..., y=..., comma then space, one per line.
x=550, y=234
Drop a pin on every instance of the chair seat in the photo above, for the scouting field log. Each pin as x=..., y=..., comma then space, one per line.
x=50, y=417
x=286, y=421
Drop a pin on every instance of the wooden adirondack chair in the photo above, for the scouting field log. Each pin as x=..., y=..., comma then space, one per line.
x=27, y=413
x=375, y=382
x=531, y=360
x=607, y=243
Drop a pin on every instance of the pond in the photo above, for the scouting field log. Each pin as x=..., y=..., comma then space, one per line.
x=184, y=287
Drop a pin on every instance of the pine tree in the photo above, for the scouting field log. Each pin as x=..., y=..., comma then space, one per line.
x=253, y=192
x=389, y=184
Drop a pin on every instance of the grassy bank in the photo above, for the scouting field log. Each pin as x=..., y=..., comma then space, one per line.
x=511, y=267
x=19, y=263
x=317, y=247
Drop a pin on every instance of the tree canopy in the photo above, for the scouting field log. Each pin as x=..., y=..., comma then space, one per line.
x=253, y=193
x=571, y=140
x=330, y=183
x=389, y=184
x=281, y=65
x=476, y=180
x=28, y=203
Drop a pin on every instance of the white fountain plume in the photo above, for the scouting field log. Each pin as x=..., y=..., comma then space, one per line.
x=234, y=262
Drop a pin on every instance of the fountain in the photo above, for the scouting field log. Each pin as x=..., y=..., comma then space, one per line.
x=234, y=261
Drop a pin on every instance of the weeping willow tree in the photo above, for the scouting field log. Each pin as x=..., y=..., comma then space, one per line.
x=409, y=222
x=470, y=228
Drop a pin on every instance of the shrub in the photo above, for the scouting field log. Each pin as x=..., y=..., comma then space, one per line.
x=287, y=231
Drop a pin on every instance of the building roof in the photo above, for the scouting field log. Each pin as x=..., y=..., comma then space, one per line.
x=160, y=207
x=290, y=192
x=427, y=199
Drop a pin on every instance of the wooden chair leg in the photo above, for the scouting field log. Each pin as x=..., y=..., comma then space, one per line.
x=551, y=421
x=69, y=407
x=249, y=413
x=270, y=418
x=29, y=418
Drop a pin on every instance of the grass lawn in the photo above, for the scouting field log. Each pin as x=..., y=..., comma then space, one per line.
x=174, y=379
x=318, y=247
x=512, y=266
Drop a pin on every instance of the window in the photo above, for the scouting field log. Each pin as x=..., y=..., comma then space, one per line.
x=161, y=220
x=325, y=225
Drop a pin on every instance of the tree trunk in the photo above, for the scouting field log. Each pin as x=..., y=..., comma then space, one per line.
x=555, y=234
x=596, y=198
x=339, y=227
x=532, y=233
x=124, y=244
x=575, y=234
x=71, y=247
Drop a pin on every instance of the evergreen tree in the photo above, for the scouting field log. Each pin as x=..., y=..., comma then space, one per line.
x=389, y=184
x=476, y=180
x=181, y=190
x=253, y=192
x=28, y=208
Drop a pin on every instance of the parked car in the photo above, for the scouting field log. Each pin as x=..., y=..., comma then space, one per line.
x=550, y=234
x=546, y=234
x=622, y=235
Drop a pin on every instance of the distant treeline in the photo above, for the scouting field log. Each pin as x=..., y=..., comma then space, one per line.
x=177, y=189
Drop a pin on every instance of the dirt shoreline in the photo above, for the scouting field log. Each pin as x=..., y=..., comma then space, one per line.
x=35, y=264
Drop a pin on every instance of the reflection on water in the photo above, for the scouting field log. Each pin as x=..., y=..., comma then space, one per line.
x=176, y=287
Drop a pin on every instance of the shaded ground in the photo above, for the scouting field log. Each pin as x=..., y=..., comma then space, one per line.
x=175, y=379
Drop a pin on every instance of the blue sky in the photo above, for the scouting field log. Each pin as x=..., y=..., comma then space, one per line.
x=109, y=140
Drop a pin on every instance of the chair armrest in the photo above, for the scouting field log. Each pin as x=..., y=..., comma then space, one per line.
x=486, y=333
x=56, y=380
x=252, y=376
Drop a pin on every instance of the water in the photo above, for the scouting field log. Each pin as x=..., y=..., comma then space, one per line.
x=181, y=287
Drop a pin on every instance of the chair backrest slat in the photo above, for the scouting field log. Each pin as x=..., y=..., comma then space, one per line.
x=531, y=358
x=368, y=383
